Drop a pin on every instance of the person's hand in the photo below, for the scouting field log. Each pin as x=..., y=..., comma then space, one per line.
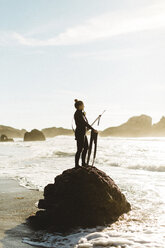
x=95, y=131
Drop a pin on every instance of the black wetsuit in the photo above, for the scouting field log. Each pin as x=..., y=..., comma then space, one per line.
x=80, y=135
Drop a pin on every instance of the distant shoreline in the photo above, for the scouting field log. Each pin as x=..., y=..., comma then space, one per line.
x=137, y=126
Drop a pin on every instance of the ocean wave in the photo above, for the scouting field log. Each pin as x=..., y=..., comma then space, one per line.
x=23, y=181
x=63, y=154
x=52, y=240
x=154, y=168
x=114, y=164
x=55, y=154
x=95, y=238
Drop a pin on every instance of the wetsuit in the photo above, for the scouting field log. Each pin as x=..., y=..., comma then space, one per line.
x=80, y=135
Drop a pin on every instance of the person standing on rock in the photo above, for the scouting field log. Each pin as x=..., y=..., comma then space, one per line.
x=82, y=126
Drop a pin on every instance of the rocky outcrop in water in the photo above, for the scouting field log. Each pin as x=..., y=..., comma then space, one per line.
x=34, y=135
x=83, y=197
x=4, y=138
x=158, y=128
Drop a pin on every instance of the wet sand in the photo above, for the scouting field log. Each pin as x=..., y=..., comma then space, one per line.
x=16, y=204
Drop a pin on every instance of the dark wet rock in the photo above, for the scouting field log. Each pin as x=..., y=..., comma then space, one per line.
x=83, y=197
x=4, y=138
x=34, y=135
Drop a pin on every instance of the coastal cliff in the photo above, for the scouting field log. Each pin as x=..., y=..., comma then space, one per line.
x=159, y=128
x=137, y=126
x=12, y=132
x=55, y=131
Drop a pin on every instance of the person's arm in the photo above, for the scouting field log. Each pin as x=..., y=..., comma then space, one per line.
x=82, y=121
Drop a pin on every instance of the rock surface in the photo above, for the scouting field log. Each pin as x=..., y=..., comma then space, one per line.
x=34, y=135
x=83, y=197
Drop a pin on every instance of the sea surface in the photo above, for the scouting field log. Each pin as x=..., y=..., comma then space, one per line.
x=137, y=165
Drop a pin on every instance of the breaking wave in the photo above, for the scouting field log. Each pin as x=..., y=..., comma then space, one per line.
x=63, y=154
x=153, y=168
x=90, y=238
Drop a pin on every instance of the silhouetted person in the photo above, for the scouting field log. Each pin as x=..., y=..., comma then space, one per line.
x=82, y=126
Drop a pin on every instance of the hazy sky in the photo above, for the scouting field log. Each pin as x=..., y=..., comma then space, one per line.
x=110, y=54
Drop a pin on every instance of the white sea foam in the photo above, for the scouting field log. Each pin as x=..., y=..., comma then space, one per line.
x=136, y=165
x=108, y=237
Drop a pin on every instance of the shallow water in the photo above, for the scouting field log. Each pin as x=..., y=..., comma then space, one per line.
x=136, y=164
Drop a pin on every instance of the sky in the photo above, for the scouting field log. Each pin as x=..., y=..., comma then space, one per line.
x=110, y=54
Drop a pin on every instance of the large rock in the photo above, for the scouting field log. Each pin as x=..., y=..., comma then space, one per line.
x=158, y=129
x=34, y=135
x=83, y=197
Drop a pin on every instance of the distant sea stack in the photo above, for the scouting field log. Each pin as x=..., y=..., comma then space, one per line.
x=83, y=197
x=4, y=138
x=158, y=129
x=34, y=135
x=55, y=131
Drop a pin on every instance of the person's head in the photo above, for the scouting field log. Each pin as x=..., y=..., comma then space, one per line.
x=79, y=104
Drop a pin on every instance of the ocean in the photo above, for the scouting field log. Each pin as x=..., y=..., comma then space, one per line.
x=137, y=165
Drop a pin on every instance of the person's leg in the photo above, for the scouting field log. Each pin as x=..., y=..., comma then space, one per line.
x=79, y=150
x=85, y=149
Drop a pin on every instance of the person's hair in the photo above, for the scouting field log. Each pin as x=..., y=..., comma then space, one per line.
x=77, y=103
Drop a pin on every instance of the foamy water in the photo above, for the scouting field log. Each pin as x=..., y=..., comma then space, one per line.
x=136, y=165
